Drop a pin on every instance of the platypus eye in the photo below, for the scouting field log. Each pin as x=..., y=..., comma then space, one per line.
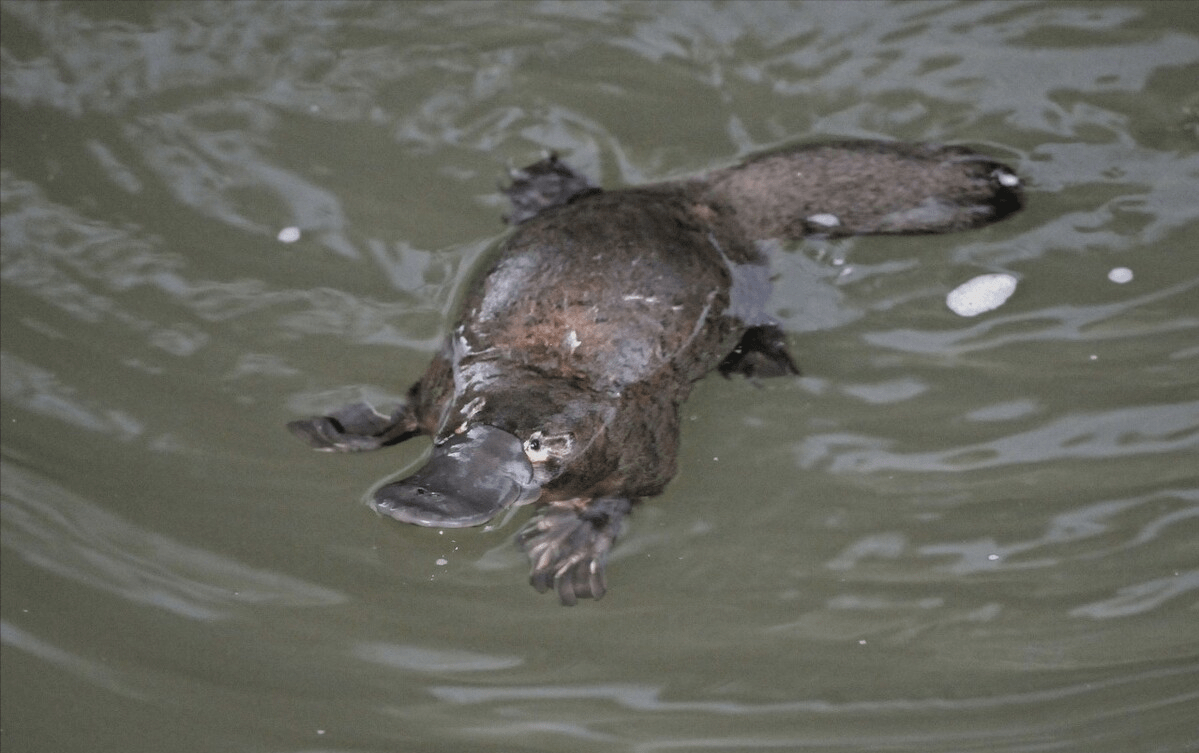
x=535, y=449
x=539, y=447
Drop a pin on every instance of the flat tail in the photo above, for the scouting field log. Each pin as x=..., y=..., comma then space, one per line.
x=866, y=187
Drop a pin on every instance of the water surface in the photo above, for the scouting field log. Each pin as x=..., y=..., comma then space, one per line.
x=950, y=534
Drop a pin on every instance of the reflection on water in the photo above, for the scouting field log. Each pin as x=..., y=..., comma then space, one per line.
x=1074, y=323
x=951, y=534
x=92, y=671
x=421, y=659
x=68, y=536
x=39, y=391
x=1078, y=525
x=1141, y=597
x=937, y=723
x=1117, y=433
x=650, y=698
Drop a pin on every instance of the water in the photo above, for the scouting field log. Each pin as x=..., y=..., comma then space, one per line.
x=951, y=534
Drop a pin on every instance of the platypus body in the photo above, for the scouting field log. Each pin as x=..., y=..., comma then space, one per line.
x=561, y=382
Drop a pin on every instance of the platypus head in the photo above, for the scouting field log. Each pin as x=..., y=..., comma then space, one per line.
x=503, y=448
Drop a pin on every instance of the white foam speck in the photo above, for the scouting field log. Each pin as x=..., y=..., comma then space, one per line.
x=289, y=235
x=825, y=220
x=1120, y=275
x=983, y=293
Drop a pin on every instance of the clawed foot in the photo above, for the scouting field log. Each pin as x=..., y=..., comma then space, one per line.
x=568, y=544
x=354, y=428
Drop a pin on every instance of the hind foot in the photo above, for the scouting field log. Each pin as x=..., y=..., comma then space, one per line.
x=762, y=352
x=568, y=543
x=544, y=185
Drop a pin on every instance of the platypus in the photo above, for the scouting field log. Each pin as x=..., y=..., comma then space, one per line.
x=560, y=383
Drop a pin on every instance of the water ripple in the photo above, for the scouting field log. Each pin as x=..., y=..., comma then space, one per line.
x=73, y=538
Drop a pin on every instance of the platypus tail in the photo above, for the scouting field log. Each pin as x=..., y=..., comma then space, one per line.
x=832, y=189
x=865, y=187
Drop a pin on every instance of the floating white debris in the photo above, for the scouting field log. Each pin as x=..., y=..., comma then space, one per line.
x=983, y=293
x=825, y=220
x=1120, y=275
x=289, y=235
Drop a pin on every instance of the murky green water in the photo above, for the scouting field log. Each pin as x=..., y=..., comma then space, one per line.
x=950, y=535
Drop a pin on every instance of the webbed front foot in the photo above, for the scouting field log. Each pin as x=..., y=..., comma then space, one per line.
x=567, y=545
x=355, y=428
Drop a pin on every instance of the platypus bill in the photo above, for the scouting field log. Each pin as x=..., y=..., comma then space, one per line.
x=561, y=382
